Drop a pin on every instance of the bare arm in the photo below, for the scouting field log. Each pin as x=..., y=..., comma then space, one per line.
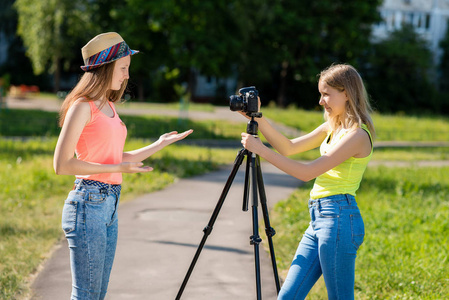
x=64, y=161
x=286, y=146
x=355, y=144
x=163, y=141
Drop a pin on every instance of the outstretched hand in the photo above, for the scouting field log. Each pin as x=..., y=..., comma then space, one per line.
x=171, y=137
x=134, y=167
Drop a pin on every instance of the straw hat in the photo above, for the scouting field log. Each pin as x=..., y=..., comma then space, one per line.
x=103, y=49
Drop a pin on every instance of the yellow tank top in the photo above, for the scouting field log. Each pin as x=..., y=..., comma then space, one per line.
x=344, y=178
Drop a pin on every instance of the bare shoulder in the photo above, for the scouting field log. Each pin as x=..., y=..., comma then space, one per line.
x=361, y=139
x=81, y=104
x=80, y=110
x=362, y=134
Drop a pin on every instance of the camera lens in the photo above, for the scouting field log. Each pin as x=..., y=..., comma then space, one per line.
x=236, y=103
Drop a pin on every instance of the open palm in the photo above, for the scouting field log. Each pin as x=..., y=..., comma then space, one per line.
x=174, y=136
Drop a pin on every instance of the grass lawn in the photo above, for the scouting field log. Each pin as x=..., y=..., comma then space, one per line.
x=405, y=253
x=405, y=209
x=388, y=127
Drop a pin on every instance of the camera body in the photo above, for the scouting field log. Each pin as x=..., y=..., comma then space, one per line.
x=247, y=101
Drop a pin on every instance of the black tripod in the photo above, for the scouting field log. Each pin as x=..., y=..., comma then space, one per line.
x=253, y=164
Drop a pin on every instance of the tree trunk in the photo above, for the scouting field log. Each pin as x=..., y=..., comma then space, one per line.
x=57, y=75
x=281, y=101
x=191, y=84
x=140, y=91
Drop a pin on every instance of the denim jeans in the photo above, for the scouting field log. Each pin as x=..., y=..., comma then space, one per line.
x=89, y=221
x=328, y=247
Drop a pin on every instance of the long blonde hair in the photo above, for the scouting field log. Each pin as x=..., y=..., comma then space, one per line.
x=344, y=77
x=93, y=85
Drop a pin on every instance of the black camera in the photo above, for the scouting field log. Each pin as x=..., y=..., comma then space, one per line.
x=247, y=101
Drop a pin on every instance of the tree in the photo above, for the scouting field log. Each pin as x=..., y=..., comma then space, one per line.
x=184, y=37
x=398, y=73
x=51, y=31
x=444, y=64
x=299, y=38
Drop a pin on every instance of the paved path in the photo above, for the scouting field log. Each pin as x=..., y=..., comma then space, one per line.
x=159, y=234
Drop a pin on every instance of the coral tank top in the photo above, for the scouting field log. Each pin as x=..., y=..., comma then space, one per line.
x=102, y=142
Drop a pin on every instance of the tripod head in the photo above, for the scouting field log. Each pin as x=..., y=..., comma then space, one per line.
x=252, y=127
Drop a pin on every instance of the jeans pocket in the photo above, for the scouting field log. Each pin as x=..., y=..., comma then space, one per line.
x=95, y=198
x=329, y=210
x=69, y=213
x=357, y=229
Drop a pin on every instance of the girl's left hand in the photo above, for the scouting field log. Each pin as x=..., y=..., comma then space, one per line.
x=251, y=143
x=171, y=137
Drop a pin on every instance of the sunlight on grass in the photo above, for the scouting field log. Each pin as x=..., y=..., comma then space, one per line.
x=406, y=214
x=388, y=127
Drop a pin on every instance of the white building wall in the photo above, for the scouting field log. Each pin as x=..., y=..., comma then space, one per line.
x=428, y=17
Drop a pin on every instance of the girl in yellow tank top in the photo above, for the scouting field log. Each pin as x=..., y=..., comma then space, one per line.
x=336, y=230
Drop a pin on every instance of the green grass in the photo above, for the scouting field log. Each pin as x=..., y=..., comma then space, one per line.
x=163, y=106
x=33, y=196
x=388, y=127
x=404, y=154
x=405, y=211
x=405, y=253
x=42, y=123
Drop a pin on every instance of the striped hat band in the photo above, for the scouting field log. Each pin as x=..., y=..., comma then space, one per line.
x=103, y=49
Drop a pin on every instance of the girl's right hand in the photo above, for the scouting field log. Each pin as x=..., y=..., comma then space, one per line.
x=134, y=167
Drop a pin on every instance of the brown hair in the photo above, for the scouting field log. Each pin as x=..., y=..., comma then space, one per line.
x=344, y=77
x=93, y=85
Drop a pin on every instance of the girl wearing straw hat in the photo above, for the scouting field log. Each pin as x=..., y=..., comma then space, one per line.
x=336, y=231
x=93, y=131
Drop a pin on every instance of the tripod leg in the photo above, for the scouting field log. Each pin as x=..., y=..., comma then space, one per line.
x=255, y=238
x=208, y=229
x=246, y=186
x=270, y=232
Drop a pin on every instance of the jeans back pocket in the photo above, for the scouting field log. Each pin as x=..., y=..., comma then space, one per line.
x=69, y=213
x=357, y=229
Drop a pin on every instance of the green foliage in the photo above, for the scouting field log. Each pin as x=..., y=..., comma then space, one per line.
x=250, y=39
x=297, y=39
x=406, y=215
x=398, y=75
x=49, y=30
x=182, y=36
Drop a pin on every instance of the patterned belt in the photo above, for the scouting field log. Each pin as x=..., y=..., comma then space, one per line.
x=116, y=188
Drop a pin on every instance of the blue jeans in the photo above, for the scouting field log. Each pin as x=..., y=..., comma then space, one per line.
x=89, y=221
x=328, y=247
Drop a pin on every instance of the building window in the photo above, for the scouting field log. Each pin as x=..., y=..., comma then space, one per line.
x=427, y=21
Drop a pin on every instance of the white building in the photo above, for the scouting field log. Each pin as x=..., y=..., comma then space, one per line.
x=428, y=17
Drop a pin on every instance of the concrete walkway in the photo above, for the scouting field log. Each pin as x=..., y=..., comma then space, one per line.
x=159, y=234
